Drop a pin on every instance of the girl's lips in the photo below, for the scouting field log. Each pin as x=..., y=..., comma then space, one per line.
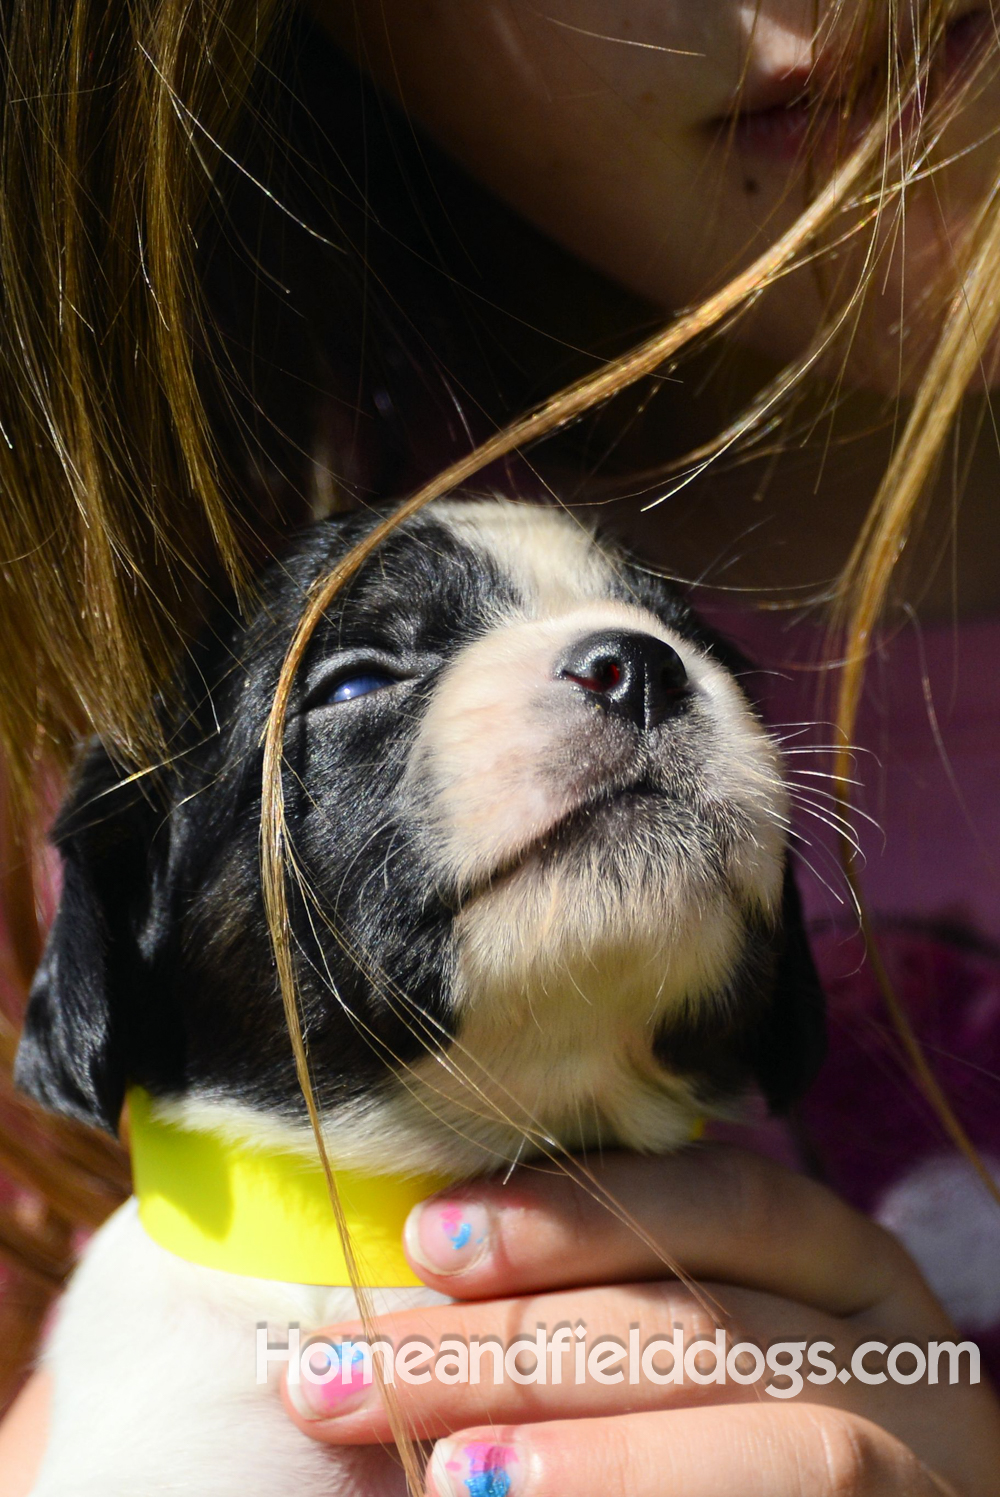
x=801, y=110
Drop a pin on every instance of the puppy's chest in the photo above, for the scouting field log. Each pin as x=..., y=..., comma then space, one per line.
x=176, y=1386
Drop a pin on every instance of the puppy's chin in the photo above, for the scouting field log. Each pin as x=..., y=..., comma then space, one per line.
x=567, y=968
x=619, y=906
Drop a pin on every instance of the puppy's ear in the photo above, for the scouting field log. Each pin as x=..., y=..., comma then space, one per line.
x=793, y=1042
x=74, y=1047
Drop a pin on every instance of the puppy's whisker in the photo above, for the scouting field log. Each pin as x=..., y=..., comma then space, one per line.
x=836, y=824
x=805, y=797
x=826, y=774
x=817, y=750
x=802, y=841
x=835, y=803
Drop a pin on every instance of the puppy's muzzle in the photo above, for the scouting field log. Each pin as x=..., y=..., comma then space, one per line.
x=628, y=673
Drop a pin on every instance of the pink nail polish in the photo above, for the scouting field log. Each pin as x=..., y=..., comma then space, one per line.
x=447, y=1237
x=477, y=1468
x=335, y=1379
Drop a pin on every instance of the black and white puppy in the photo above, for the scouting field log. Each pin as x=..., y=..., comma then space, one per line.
x=543, y=833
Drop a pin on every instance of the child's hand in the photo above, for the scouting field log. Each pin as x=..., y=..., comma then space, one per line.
x=786, y=1261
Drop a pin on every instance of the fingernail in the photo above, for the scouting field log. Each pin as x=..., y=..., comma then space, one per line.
x=447, y=1236
x=473, y=1468
x=334, y=1379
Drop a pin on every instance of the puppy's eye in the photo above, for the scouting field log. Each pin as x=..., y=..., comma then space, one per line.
x=360, y=685
x=356, y=674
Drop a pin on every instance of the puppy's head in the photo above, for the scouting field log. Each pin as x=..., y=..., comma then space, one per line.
x=536, y=846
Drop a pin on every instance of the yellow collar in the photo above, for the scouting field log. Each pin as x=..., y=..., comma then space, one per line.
x=263, y=1212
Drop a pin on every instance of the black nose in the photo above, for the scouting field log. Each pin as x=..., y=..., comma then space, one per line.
x=635, y=675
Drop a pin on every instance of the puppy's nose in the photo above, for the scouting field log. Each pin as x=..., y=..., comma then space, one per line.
x=635, y=675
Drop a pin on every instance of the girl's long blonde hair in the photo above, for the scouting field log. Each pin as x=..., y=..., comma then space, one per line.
x=120, y=509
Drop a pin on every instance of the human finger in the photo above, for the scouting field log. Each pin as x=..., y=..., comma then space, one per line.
x=718, y=1212
x=797, y=1451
